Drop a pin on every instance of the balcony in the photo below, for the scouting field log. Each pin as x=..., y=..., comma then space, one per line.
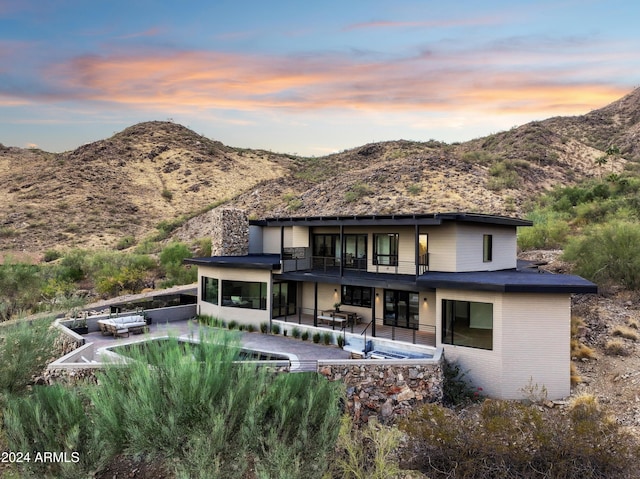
x=300, y=259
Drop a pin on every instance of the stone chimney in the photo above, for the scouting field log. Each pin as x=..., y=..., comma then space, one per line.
x=230, y=232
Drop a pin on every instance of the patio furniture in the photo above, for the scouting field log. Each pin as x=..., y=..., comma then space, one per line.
x=124, y=325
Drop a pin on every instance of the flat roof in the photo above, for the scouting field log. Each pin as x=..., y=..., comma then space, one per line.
x=509, y=281
x=399, y=219
x=252, y=261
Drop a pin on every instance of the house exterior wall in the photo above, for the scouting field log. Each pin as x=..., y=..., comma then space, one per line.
x=327, y=297
x=442, y=247
x=536, y=343
x=484, y=368
x=242, y=315
x=271, y=239
x=300, y=237
x=469, y=248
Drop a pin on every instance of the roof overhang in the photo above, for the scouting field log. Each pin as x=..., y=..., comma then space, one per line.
x=508, y=281
x=392, y=220
x=257, y=261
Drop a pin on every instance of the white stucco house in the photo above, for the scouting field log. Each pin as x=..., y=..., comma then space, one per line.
x=449, y=280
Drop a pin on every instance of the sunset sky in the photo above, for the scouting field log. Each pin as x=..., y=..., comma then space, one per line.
x=307, y=77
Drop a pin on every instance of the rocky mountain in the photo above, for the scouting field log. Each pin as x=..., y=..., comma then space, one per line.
x=159, y=173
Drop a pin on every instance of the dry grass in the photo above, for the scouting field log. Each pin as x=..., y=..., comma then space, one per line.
x=625, y=332
x=615, y=347
x=633, y=323
x=575, y=376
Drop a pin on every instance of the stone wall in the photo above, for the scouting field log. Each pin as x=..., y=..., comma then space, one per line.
x=230, y=232
x=386, y=391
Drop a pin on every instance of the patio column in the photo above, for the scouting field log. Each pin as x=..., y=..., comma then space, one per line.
x=315, y=304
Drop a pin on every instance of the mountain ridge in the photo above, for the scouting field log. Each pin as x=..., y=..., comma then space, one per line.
x=155, y=172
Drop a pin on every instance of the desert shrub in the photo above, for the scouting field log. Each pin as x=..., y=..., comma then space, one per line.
x=340, y=340
x=52, y=418
x=232, y=325
x=250, y=328
x=625, y=332
x=25, y=349
x=171, y=258
x=20, y=285
x=275, y=328
x=455, y=388
x=366, y=453
x=295, y=332
x=264, y=327
x=115, y=273
x=316, y=338
x=305, y=335
x=633, y=323
x=126, y=242
x=549, y=230
x=509, y=439
x=327, y=338
x=358, y=190
x=609, y=253
x=202, y=247
x=615, y=347
x=414, y=189
x=504, y=174
x=574, y=375
x=51, y=255
x=581, y=351
x=217, y=416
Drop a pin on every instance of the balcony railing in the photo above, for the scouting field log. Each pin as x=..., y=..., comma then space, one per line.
x=304, y=261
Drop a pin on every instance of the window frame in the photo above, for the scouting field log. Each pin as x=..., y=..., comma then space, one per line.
x=230, y=288
x=393, y=247
x=205, y=288
x=487, y=248
x=456, y=312
x=358, y=291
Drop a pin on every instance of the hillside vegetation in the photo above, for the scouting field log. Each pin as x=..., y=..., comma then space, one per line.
x=162, y=174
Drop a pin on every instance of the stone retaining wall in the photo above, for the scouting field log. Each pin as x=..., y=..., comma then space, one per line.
x=386, y=391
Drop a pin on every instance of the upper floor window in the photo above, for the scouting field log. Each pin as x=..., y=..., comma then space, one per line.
x=385, y=249
x=326, y=246
x=487, y=248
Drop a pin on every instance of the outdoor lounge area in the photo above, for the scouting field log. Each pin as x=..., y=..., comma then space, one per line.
x=120, y=326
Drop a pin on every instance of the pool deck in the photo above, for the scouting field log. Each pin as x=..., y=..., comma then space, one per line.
x=304, y=353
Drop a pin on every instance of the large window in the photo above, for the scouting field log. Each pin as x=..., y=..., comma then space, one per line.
x=356, y=296
x=355, y=251
x=401, y=309
x=385, y=249
x=243, y=294
x=466, y=323
x=326, y=246
x=210, y=290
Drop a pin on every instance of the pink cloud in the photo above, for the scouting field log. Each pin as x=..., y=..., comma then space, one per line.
x=491, y=82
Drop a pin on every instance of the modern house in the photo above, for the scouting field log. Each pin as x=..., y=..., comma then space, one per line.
x=448, y=280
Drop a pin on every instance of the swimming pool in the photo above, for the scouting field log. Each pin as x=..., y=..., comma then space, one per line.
x=153, y=348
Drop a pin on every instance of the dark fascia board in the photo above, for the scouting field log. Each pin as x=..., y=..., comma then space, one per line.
x=400, y=219
x=384, y=281
x=266, y=261
x=509, y=281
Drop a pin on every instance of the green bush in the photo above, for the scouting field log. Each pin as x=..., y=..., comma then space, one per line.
x=25, y=349
x=358, y=190
x=20, y=286
x=264, y=327
x=275, y=328
x=608, y=253
x=550, y=230
x=171, y=261
x=53, y=418
x=295, y=332
x=316, y=338
x=327, y=338
x=305, y=335
x=216, y=414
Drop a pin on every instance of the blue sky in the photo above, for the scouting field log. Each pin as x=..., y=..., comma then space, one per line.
x=307, y=77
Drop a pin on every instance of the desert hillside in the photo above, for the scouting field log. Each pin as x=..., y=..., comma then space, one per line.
x=156, y=173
